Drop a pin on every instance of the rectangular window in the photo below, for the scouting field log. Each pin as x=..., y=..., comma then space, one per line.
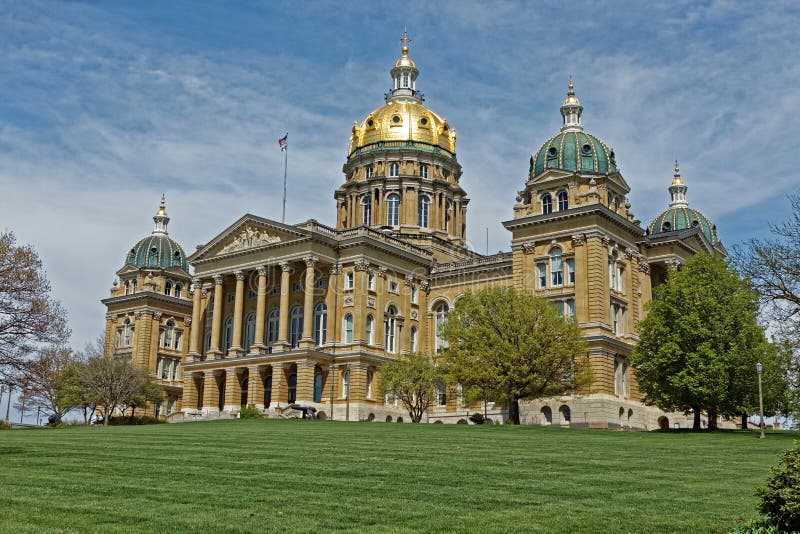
x=230, y=297
x=297, y=287
x=394, y=287
x=251, y=294
x=570, y=308
x=441, y=397
x=349, y=280
x=571, y=272
x=542, y=276
x=274, y=291
x=371, y=281
x=414, y=295
x=322, y=283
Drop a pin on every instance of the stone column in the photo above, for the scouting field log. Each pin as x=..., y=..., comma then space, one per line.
x=233, y=391
x=155, y=340
x=332, y=299
x=305, y=381
x=283, y=325
x=279, y=386
x=216, y=320
x=197, y=311
x=189, y=400
x=255, y=387
x=259, y=346
x=238, y=312
x=111, y=336
x=210, y=393
x=308, y=304
x=360, y=300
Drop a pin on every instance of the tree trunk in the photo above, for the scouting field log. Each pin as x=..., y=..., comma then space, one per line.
x=744, y=421
x=696, y=426
x=712, y=421
x=513, y=412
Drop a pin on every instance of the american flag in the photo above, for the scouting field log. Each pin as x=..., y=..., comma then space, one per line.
x=283, y=142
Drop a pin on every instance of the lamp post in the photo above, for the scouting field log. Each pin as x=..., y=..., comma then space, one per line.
x=760, y=368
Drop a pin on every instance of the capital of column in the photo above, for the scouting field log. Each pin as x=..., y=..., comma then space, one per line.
x=336, y=268
x=239, y=275
x=262, y=270
x=310, y=261
x=578, y=240
x=285, y=266
x=410, y=280
x=362, y=265
x=218, y=279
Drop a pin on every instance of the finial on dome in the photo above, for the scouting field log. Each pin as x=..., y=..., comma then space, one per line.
x=404, y=40
x=161, y=218
x=676, y=177
x=571, y=109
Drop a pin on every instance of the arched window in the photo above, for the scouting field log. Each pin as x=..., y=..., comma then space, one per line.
x=296, y=326
x=176, y=259
x=566, y=414
x=348, y=328
x=393, y=210
x=320, y=323
x=563, y=201
x=423, y=209
x=127, y=288
x=228, y=333
x=249, y=332
x=292, y=393
x=441, y=311
x=366, y=205
x=273, y=322
x=349, y=280
x=368, y=172
x=346, y=384
x=370, y=330
x=394, y=170
x=390, y=326
x=167, y=288
x=177, y=291
x=208, y=344
x=423, y=171
x=318, y=386
x=556, y=267
x=547, y=415
x=412, y=345
x=369, y=384
x=371, y=281
x=127, y=333
x=547, y=204
x=169, y=332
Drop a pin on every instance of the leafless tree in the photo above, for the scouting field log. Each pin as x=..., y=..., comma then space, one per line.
x=29, y=317
x=112, y=383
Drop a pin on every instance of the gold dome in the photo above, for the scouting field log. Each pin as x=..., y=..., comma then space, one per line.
x=162, y=209
x=676, y=178
x=403, y=121
x=571, y=99
x=405, y=61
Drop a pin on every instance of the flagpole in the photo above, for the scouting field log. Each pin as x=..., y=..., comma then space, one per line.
x=285, y=166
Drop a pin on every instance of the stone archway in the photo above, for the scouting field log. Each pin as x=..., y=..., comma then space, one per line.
x=663, y=423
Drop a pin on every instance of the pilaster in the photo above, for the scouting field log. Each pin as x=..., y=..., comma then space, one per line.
x=233, y=390
x=210, y=393
x=255, y=387
x=305, y=381
x=189, y=393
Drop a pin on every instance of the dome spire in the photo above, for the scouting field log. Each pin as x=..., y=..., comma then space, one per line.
x=161, y=218
x=678, y=189
x=404, y=75
x=571, y=110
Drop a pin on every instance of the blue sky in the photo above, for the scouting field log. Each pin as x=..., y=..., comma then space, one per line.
x=104, y=106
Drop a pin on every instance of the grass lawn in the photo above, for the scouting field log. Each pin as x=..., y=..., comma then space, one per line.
x=316, y=476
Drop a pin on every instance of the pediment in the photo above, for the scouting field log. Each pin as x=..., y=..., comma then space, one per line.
x=248, y=233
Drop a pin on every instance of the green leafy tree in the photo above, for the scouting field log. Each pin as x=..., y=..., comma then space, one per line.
x=700, y=342
x=513, y=346
x=414, y=379
x=46, y=381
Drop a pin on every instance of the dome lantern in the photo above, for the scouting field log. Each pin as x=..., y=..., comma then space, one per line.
x=678, y=189
x=161, y=218
x=404, y=74
x=571, y=110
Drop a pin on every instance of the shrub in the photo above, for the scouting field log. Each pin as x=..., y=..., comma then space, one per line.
x=5, y=425
x=757, y=526
x=131, y=420
x=476, y=418
x=249, y=412
x=780, y=497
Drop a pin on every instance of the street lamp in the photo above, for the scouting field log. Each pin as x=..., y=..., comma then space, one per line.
x=760, y=368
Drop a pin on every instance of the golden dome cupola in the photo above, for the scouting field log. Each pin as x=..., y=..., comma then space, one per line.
x=405, y=74
x=571, y=110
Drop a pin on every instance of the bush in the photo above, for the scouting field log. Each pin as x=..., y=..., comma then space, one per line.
x=5, y=425
x=131, y=420
x=249, y=412
x=476, y=418
x=780, y=497
x=757, y=526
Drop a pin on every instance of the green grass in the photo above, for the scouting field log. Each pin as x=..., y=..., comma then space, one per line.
x=263, y=476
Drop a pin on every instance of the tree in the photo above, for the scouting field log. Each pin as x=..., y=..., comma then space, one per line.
x=414, y=379
x=111, y=383
x=29, y=316
x=514, y=346
x=700, y=342
x=46, y=381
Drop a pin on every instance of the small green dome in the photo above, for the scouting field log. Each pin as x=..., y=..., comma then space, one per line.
x=676, y=218
x=574, y=150
x=157, y=252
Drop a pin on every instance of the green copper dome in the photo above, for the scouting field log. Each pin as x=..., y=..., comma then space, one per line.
x=574, y=150
x=679, y=216
x=157, y=252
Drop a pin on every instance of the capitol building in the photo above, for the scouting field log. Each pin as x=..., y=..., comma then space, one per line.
x=267, y=314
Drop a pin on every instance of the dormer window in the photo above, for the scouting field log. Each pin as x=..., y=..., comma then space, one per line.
x=563, y=201
x=405, y=81
x=547, y=204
